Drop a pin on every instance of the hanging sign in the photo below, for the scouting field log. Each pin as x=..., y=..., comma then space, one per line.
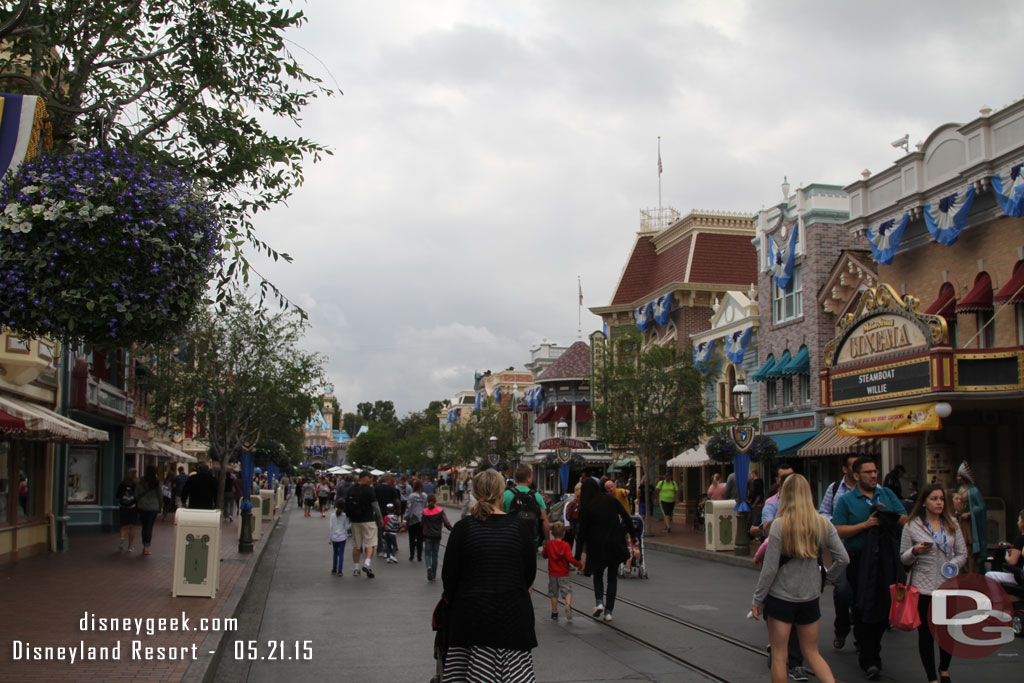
x=889, y=421
x=564, y=454
x=492, y=458
x=562, y=442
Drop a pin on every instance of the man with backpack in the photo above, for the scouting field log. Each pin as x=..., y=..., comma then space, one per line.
x=842, y=595
x=364, y=513
x=528, y=505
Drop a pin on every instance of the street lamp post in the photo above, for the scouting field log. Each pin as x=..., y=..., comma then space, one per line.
x=492, y=451
x=741, y=406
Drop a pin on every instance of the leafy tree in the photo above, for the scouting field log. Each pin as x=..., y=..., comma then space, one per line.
x=195, y=83
x=378, y=412
x=646, y=399
x=241, y=377
x=471, y=440
x=351, y=423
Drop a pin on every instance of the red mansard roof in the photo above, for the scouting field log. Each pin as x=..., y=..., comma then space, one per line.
x=717, y=259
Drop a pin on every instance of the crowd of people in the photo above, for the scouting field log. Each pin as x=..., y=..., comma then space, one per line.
x=872, y=542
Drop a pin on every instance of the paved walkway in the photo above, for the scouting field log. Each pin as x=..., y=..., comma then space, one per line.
x=361, y=629
x=44, y=598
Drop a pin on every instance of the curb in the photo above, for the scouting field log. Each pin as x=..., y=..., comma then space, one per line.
x=204, y=667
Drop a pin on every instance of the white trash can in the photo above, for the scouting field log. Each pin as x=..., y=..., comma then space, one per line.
x=268, y=502
x=720, y=525
x=196, y=553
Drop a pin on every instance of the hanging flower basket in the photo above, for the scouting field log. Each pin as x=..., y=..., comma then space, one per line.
x=103, y=246
x=721, y=448
x=763, y=449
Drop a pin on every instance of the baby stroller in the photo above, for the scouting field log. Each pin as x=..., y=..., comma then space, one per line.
x=638, y=560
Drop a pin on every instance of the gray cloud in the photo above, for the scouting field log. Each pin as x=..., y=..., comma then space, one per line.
x=488, y=153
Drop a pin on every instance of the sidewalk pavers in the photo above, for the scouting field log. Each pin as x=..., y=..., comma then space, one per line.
x=46, y=597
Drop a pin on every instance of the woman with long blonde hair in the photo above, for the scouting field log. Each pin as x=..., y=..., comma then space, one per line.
x=789, y=586
x=489, y=565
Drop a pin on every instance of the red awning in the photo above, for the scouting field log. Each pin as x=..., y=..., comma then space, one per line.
x=561, y=413
x=9, y=423
x=546, y=415
x=979, y=298
x=584, y=414
x=1013, y=291
x=945, y=305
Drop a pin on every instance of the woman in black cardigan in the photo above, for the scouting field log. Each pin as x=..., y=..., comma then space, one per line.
x=603, y=527
x=489, y=566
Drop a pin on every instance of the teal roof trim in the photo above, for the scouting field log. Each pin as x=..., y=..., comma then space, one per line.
x=758, y=375
x=775, y=371
x=800, y=365
x=789, y=444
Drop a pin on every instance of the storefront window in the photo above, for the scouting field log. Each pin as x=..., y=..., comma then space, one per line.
x=787, y=391
x=769, y=388
x=805, y=388
x=583, y=429
x=27, y=498
x=82, y=475
x=1020, y=324
x=5, y=483
x=986, y=330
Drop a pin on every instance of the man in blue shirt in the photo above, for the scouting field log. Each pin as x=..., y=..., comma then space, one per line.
x=855, y=514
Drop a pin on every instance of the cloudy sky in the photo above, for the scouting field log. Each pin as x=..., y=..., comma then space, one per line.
x=488, y=153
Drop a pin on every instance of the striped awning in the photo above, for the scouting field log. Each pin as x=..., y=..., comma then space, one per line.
x=42, y=424
x=174, y=453
x=695, y=457
x=828, y=442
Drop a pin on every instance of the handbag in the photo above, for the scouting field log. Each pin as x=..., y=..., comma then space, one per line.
x=903, y=612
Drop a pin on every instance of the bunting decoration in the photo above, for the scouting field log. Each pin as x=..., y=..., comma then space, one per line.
x=453, y=415
x=497, y=394
x=736, y=345
x=662, y=306
x=481, y=400
x=886, y=238
x=947, y=219
x=782, y=258
x=1010, y=191
x=642, y=316
x=702, y=354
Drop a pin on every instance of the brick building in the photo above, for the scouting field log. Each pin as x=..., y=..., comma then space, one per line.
x=935, y=352
x=806, y=233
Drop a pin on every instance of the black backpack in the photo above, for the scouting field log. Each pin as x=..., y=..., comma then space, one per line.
x=524, y=506
x=358, y=505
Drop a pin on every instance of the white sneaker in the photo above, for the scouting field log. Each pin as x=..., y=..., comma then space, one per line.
x=608, y=615
x=599, y=609
x=355, y=572
x=568, y=612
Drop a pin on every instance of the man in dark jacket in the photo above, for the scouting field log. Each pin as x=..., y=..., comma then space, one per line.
x=179, y=486
x=868, y=518
x=364, y=513
x=200, y=491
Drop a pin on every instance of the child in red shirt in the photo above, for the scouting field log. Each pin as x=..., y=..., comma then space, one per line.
x=559, y=556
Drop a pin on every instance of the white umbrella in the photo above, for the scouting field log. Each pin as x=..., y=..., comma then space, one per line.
x=337, y=470
x=376, y=473
x=695, y=457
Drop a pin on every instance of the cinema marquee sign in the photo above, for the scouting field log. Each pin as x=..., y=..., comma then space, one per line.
x=881, y=335
x=884, y=327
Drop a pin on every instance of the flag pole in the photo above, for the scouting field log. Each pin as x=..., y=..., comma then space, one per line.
x=579, y=309
x=659, y=177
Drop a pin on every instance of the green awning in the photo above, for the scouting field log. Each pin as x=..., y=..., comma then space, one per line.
x=758, y=375
x=789, y=444
x=624, y=464
x=800, y=365
x=774, y=371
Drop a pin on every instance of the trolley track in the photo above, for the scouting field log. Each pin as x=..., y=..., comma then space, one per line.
x=756, y=673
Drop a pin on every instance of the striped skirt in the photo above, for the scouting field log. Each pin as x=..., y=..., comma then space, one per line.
x=476, y=664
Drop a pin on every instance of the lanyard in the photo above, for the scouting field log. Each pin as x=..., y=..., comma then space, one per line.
x=944, y=545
